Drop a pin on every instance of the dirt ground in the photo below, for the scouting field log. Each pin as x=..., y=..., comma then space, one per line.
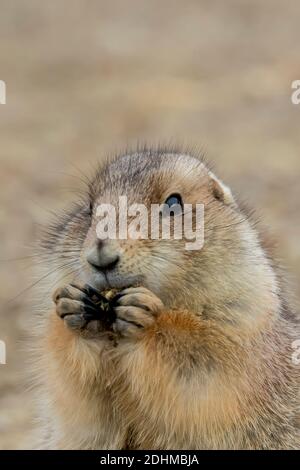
x=87, y=78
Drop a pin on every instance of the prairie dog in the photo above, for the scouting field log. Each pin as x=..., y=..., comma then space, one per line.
x=199, y=354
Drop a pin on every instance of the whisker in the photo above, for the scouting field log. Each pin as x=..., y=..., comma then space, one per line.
x=162, y=258
x=38, y=281
x=67, y=274
x=39, y=255
x=228, y=226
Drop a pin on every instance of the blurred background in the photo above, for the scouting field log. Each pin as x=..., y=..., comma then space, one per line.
x=87, y=78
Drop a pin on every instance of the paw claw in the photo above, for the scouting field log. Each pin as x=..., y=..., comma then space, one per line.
x=76, y=307
x=136, y=308
x=75, y=322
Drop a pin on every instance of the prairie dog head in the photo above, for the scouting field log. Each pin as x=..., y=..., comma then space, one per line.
x=222, y=271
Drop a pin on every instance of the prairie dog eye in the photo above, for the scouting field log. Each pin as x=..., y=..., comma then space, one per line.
x=173, y=200
x=175, y=204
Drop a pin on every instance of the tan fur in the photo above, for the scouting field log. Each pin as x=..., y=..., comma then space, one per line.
x=211, y=368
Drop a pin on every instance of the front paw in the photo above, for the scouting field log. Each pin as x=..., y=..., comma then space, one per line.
x=78, y=307
x=136, y=308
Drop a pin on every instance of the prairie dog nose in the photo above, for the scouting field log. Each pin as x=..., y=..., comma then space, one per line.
x=103, y=255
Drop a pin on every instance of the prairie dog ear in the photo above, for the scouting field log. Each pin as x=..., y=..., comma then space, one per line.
x=220, y=190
